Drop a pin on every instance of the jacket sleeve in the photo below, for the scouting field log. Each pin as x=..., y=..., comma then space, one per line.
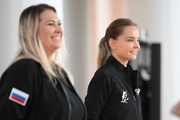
x=20, y=79
x=99, y=90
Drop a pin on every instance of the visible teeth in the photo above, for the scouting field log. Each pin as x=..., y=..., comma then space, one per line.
x=56, y=38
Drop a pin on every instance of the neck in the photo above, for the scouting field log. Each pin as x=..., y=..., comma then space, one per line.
x=122, y=61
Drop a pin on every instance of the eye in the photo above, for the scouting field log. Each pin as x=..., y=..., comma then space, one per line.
x=50, y=24
x=59, y=24
x=129, y=40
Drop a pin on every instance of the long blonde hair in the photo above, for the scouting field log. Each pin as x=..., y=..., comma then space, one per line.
x=114, y=30
x=30, y=43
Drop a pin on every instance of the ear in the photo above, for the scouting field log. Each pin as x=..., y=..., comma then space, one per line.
x=112, y=44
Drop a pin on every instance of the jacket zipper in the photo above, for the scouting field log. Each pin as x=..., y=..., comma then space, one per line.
x=136, y=105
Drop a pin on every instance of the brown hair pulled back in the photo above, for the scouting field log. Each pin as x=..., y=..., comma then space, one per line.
x=114, y=30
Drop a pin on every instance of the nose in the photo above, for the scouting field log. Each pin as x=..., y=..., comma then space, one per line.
x=58, y=29
x=137, y=45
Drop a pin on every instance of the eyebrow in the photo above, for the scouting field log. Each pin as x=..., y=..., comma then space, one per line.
x=53, y=21
x=132, y=37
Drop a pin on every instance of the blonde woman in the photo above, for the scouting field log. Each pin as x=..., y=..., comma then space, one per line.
x=113, y=92
x=35, y=86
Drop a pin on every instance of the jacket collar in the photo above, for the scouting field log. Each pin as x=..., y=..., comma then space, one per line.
x=133, y=74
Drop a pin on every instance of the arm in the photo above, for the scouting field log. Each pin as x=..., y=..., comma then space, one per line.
x=21, y=77
x=176, y=109
x=99, y=91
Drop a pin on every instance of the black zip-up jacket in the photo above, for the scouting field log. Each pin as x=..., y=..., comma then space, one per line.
x=45, y=101
x=111, y=93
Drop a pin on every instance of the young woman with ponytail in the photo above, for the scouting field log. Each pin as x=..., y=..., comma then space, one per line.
x=113, y=92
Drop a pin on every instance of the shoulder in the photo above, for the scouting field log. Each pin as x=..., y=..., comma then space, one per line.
x=105, y=70
x=25, y=64
x=30, y=63
x=22, y=68
x=102, y=81
x=103, y=75
x=24, y=75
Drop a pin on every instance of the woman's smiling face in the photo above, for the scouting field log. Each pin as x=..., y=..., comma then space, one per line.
x=50, y=31
x=126, y=46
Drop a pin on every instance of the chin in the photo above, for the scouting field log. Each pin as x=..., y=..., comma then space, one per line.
x=57, y=47
x=133, y=58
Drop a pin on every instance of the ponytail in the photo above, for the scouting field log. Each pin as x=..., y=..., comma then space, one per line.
x=103, y=52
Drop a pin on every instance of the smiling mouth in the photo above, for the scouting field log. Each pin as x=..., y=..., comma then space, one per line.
x=56, y=38
x=134, y=52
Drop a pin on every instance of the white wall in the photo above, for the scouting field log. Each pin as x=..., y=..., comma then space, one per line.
x=78, y=42
x=9, y=11
x=161, y=19
x=174, y=16
x=58, y=4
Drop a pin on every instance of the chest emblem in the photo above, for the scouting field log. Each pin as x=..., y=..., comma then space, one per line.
x=124, y=97
x=137, y=91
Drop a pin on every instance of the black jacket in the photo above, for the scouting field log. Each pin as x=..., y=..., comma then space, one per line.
x=45, y=101
x=111, y=93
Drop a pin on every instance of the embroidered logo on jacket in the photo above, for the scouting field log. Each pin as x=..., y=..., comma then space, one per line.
x=124, y=97
x=18, y=96
x=137, y=91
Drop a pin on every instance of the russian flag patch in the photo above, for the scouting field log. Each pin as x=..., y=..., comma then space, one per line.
x=18, y=96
